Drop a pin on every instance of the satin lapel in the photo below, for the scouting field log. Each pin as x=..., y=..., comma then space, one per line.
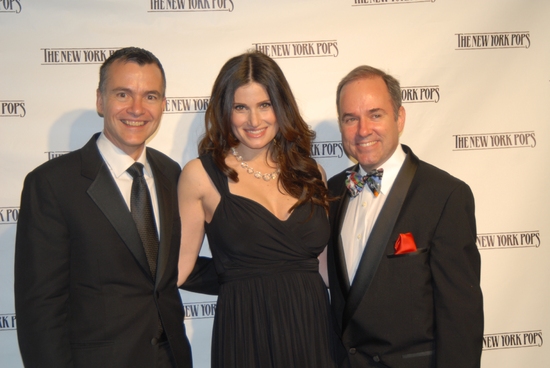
x=162, y=187
x=106, y=195
x=339, y=255
x=379, y=237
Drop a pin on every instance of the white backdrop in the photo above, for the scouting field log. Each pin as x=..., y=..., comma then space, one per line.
x=475, y=78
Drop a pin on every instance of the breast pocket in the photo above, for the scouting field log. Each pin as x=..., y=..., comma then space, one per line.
x=410, y=254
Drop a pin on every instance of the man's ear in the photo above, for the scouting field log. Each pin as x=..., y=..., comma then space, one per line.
x=99, y=103
x=401, y=115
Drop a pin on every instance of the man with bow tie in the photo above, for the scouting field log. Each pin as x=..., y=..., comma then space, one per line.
x=403, y=264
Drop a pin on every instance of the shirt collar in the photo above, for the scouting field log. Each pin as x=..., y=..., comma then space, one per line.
x=391, y=169
x=117, y=160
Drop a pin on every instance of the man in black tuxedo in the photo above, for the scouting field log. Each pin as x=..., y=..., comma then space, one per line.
x=87, y=292
x=403, y=264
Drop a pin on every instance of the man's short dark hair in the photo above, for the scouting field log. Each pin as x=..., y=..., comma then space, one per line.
x=365, y=71
x=130, y=54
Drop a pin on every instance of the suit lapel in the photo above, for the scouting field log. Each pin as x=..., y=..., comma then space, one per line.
x=379, y=236
x=162, y=187
x=106, y=195
x=339, y=255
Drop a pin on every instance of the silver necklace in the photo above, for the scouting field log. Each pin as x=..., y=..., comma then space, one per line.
x=250, y=170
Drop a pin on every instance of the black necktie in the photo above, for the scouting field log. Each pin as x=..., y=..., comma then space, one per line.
x=142, y=212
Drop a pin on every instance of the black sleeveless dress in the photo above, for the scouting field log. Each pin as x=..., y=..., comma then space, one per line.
x=273, y=309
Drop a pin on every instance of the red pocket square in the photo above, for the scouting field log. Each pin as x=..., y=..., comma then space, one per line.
x=405, y=244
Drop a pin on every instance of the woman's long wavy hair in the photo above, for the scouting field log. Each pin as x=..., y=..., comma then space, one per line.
x=291, y=150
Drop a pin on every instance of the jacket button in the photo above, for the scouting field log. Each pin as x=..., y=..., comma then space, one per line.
x=352, y=350
x=376, y=358
x=154, y=341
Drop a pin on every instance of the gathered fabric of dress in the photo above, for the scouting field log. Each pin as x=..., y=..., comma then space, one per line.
x=273, y=308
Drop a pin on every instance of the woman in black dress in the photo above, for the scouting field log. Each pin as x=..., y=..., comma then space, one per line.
x=262, y=202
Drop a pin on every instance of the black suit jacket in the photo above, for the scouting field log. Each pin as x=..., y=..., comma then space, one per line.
x=84, y=295
x=417, y=310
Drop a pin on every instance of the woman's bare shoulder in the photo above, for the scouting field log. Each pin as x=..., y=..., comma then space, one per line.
x=194, y=175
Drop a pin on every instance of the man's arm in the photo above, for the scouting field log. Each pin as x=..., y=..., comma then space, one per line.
x=455, y=265
x=42, y=277
x=203, y=279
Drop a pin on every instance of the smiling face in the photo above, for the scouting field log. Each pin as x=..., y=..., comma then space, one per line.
x=131, y=104
x=370, y=130
x=253, y=119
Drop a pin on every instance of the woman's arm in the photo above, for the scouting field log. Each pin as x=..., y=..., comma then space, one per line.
x=191, y=187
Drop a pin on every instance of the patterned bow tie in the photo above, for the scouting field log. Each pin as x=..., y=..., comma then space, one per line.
x=373, y=180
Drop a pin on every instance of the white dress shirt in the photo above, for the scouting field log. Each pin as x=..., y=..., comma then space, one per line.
x=118, y=162
x=363, y=211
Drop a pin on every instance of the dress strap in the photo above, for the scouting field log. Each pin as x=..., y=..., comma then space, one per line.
x=218, y=178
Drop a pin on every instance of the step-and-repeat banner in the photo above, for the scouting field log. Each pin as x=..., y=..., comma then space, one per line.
x=475, y=76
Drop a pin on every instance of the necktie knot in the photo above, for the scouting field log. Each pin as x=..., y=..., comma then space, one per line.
x=355, y=182
x=136, y=170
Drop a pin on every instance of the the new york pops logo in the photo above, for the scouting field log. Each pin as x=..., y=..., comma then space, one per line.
x=199, y=310
x=327, y=149
x=9, y=215
x=8, y=322
x=298, y=49
x=419, y=94
x=182, y=105
x=466, y=142
x=513, y=340
x=387, y=2
x=174, y=6
x=54, y=154
x=12, y=108
x=75, y=56
x=508, y=240
x=10, y=6
x=493, y=40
